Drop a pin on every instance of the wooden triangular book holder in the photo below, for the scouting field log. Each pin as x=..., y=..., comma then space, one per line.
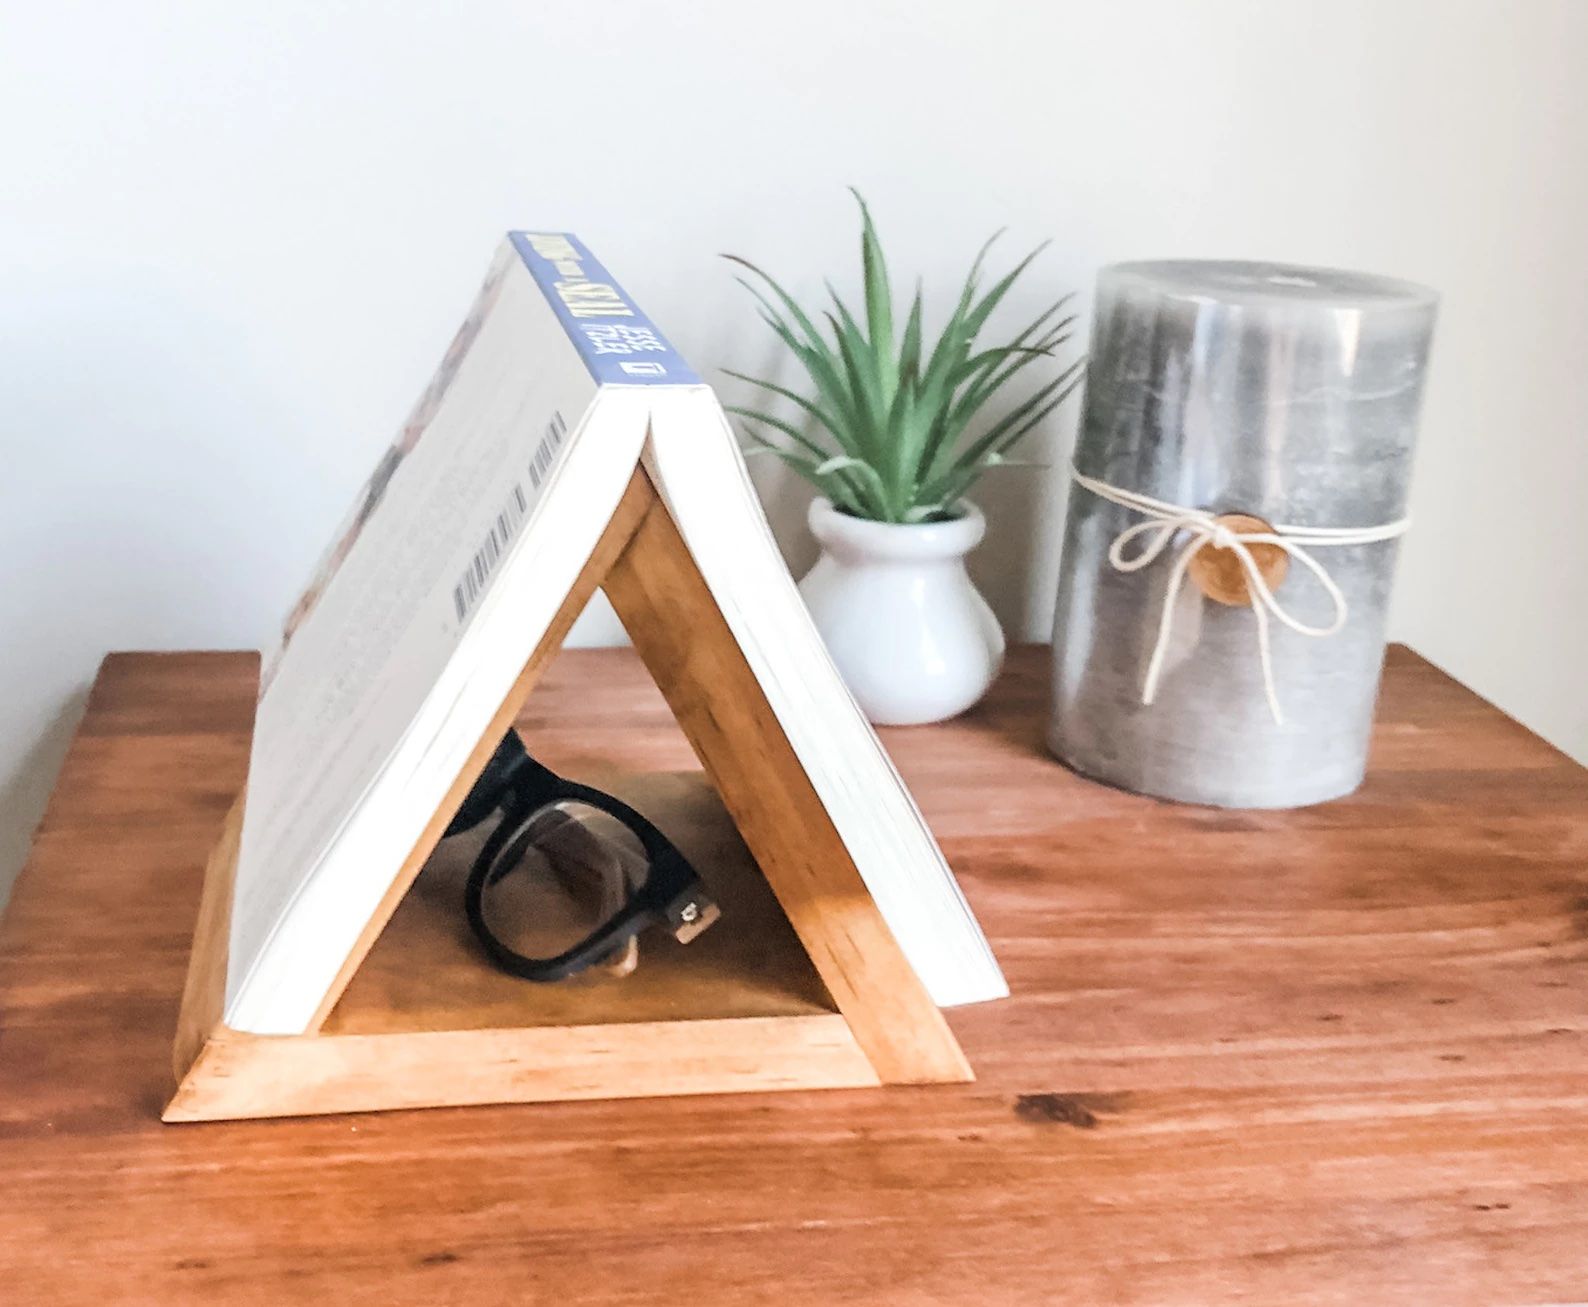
x=417, y=1019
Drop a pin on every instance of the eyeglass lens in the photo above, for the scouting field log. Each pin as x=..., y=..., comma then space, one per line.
x=569, y=868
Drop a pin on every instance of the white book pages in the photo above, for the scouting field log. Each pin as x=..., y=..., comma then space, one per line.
x=402, y=651
x=462, y=549
x=695, y=461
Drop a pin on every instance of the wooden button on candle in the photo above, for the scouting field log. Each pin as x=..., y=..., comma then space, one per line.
x=1219, y=573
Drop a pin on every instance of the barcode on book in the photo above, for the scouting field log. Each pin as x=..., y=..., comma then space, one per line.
x=471, y=585
x=546, y=455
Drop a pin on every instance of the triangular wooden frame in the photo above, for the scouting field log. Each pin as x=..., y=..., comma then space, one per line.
x=880, y=1026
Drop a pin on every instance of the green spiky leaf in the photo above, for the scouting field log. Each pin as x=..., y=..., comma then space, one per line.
x=887, y=432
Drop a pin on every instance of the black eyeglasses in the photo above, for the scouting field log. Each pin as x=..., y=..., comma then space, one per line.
x=618, y=873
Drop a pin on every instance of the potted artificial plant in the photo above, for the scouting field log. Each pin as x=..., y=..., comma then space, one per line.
x=897, y=431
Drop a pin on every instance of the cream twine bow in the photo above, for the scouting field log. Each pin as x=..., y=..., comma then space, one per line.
x=1165, y=521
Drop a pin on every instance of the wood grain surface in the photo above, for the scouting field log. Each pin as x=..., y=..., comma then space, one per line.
x=425, y=971
x=1333, y=1056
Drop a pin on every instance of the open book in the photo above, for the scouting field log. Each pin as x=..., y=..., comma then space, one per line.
x=461, y=548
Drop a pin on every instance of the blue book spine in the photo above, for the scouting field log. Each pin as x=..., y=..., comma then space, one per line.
x=619, y=344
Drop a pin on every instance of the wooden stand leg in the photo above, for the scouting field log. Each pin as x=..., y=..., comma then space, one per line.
x=715, y=697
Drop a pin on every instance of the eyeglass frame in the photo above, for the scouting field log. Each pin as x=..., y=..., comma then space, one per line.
x=671, y=894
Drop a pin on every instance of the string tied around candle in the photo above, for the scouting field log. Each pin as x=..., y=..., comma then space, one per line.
x=1164, y=521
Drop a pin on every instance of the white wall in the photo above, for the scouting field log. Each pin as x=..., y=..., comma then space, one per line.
x=234, y=238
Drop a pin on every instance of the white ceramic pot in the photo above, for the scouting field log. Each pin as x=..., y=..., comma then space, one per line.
x=913, y=638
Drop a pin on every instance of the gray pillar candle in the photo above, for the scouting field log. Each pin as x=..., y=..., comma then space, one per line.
x=1285, y=393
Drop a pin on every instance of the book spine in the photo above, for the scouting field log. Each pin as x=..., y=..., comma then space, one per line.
x=618, y=343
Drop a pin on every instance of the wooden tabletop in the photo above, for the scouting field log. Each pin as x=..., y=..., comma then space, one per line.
x=1334, y=1055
